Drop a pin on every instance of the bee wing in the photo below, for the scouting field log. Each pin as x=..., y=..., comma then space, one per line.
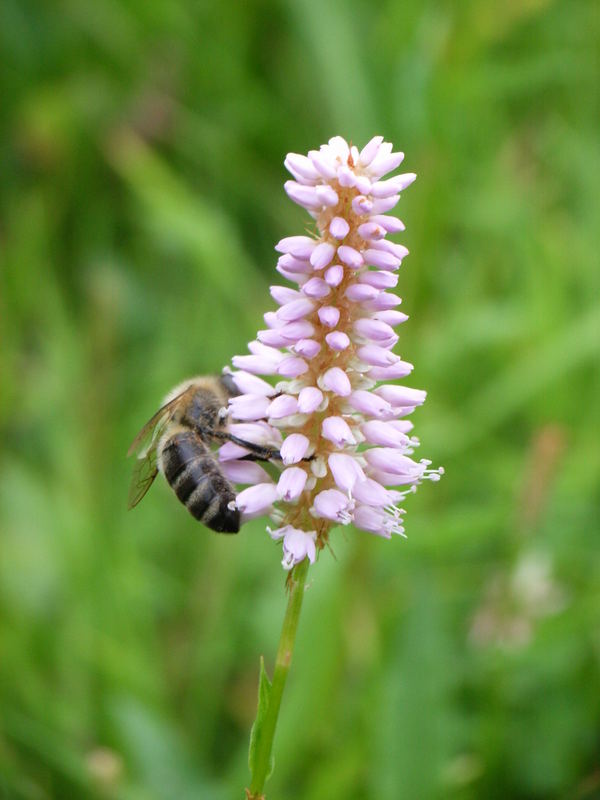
x=145, y=469
x=144, y=472
x=153, y=428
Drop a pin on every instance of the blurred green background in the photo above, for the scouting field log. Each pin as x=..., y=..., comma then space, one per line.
x=141, y=196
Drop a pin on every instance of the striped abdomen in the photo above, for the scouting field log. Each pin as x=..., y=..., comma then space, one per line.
x=191, y=470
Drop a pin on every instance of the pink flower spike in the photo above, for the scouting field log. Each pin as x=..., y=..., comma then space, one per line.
x=337, y=340
x=292, y=367
x=338, y=228
x=291, y=484
x=298, y=246
x=334, y=275
x=393, y=185
x=346, y=471
x=256, y=498
x=308, y=348
x=329, y=316
x=337, y=430
x=330, y=410
x=309, y=399
x=349, y=256
x=335, y=380
x=316, y=288
x=294, y=448
x=322, y=255
x=334, y=505
x=402, y=396
x=283, y=406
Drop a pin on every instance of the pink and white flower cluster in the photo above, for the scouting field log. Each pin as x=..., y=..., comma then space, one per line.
x=339, y=423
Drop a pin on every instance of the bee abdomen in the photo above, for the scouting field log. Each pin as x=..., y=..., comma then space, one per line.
x=210, y=500
x=195, y=477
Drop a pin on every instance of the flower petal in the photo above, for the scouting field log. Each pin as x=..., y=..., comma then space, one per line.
x=337, y=430
x=338, y=228
x=345, y=470
x=294, y=448
x=309, y=399
x=335, y=380
x=291, y=484
x=256, y=498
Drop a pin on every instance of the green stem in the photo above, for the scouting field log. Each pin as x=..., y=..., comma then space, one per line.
x=282, y=666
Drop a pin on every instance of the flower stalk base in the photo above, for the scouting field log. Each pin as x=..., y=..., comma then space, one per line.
x=269, y=701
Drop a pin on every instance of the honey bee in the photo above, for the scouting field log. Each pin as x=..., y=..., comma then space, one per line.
x=177, y=442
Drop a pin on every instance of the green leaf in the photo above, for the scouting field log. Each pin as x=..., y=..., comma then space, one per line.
x=256, y=734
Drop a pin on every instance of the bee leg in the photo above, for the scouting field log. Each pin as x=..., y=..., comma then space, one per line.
x=257, y=457
x=261, y=453
x=258, y=452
